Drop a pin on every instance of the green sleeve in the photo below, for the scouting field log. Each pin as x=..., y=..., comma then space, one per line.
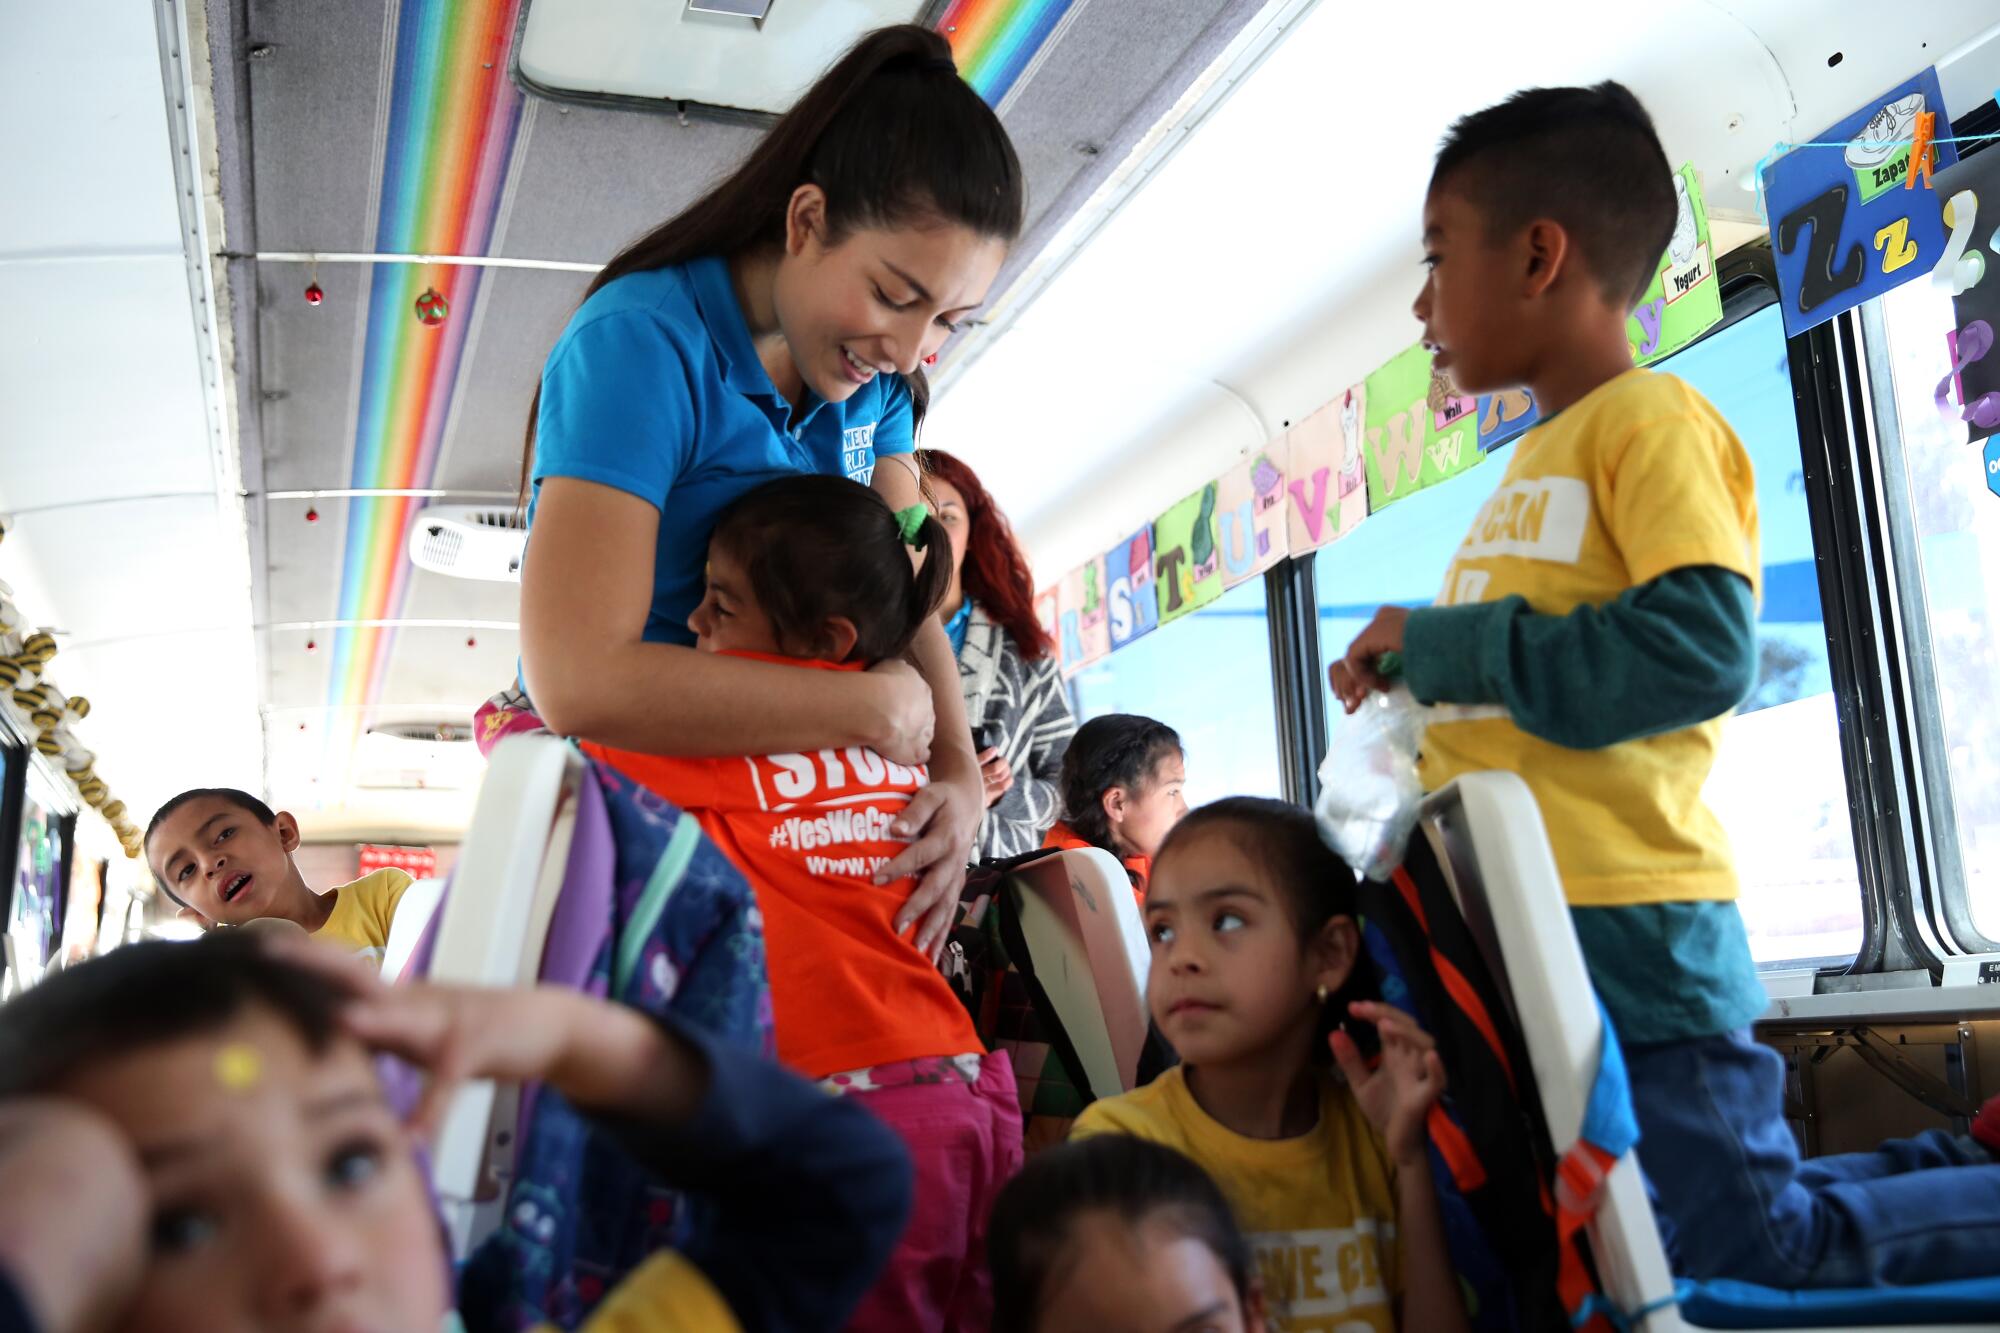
x=1665, y=655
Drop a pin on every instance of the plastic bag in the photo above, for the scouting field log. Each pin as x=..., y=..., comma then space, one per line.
x=1369, y=792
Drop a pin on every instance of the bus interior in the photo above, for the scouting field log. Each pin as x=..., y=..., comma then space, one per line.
x=281, y=279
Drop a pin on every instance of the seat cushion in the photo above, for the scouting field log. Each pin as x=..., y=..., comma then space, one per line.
x=1725, y=1304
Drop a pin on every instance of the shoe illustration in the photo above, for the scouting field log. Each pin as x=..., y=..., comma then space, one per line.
x=1682, y=247
x=1893, y=126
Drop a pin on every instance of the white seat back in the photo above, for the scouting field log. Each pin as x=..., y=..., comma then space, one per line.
x=494, y=924
x=1087, y=946
x=1490, y=837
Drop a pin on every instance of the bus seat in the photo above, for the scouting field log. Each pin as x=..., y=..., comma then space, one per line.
x=1495, y=855
x=513, y=864
x=570, y=874
x=414, y=912
x=1085, y=946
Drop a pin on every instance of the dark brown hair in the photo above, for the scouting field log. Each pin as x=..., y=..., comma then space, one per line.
x=815, y=547
x=1029, y=1235
x=148, y=994
x=891, y=133
x=1588, y=158
x=1114, y=750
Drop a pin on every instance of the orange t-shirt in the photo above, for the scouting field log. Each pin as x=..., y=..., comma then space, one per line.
x=809, y=831
x=1064, y=838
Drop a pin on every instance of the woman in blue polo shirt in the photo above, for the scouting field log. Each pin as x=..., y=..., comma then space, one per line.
x=778, y=325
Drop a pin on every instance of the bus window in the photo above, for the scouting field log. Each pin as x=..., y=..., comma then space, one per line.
x=1779, y=786
x=1208, y=676
x=1954, y=521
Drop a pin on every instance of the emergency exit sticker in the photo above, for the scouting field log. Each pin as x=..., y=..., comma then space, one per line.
x=1843, y=227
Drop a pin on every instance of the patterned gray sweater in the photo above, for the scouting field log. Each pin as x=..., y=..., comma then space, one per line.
x=1021, y=708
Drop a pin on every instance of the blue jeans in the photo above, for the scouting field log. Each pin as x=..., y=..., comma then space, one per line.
x=1735, y=1201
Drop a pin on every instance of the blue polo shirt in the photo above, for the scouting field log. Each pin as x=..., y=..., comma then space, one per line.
x=655, y=388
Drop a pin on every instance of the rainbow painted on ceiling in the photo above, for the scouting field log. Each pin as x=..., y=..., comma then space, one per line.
x=994, y=40
x=453, y=114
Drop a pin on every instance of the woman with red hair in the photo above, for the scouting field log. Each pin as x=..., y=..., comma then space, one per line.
x=1015, y=702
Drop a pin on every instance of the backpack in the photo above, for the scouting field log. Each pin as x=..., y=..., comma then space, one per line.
x=1512, y=1210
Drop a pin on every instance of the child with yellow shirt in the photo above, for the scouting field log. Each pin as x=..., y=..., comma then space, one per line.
x=1254, y=945
x=226, y=858
x=1594, y=627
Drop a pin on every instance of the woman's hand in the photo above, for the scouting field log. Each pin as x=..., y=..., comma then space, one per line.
x=1397, y=1094
x=908, y=717
x=995, y=774
x=944, y=820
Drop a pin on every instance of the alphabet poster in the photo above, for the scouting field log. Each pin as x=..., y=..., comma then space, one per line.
x=1083, y=612
x=1135, y=609
x=1843, y=227
x=1685, y=299
x=1328, y=485
x=1187, y=560
x=1250, y=522
x=1970, y=271
x=1420, y=430
x=1045, y=614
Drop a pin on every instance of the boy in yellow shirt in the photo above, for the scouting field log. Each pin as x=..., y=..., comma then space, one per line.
x=226, y=858
x=1594, y=627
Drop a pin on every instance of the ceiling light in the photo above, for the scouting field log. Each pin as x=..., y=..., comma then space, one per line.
x=734, y=56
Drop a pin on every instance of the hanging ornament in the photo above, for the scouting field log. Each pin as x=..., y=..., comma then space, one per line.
x=471, y=642
x=432, y=307
x=312, y=514
x=314, y=293
x=312, y=645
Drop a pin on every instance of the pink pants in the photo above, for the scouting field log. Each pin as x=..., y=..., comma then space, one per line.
x=965, y=1141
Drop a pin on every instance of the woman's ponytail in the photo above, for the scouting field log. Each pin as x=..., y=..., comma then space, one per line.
x=891, y=133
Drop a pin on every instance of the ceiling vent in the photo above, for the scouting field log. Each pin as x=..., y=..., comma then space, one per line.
x=470, y=542
x=417, y=756
x=739, y=58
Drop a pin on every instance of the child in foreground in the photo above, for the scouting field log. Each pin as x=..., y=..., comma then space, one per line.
x=1123, y=783
x=226, y=858
x=815, y=572
x=1595, y=626
x=192, y=1137
x=1254, y=953
x=1117, y=1235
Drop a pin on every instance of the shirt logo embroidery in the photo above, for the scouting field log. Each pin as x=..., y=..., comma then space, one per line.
x=857, y=453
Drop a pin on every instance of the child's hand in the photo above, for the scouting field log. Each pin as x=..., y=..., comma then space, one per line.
x=452, y=1033
x=1358, y=674
x=74, y=1205
x=1397, y=1094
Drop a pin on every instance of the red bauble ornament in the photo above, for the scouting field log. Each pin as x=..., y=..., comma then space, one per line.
x=931, y=360
x=432, y=307
x=312, y=645
x=312, y=515
x=471, y=642
x=313, y=294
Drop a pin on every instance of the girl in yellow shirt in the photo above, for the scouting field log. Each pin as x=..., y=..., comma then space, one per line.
x=1254, y=940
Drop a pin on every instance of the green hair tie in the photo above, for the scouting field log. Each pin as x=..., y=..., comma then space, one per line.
x=910, y=522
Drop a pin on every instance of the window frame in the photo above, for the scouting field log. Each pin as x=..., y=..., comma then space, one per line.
x=1933, y=910
x=1748, y=278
